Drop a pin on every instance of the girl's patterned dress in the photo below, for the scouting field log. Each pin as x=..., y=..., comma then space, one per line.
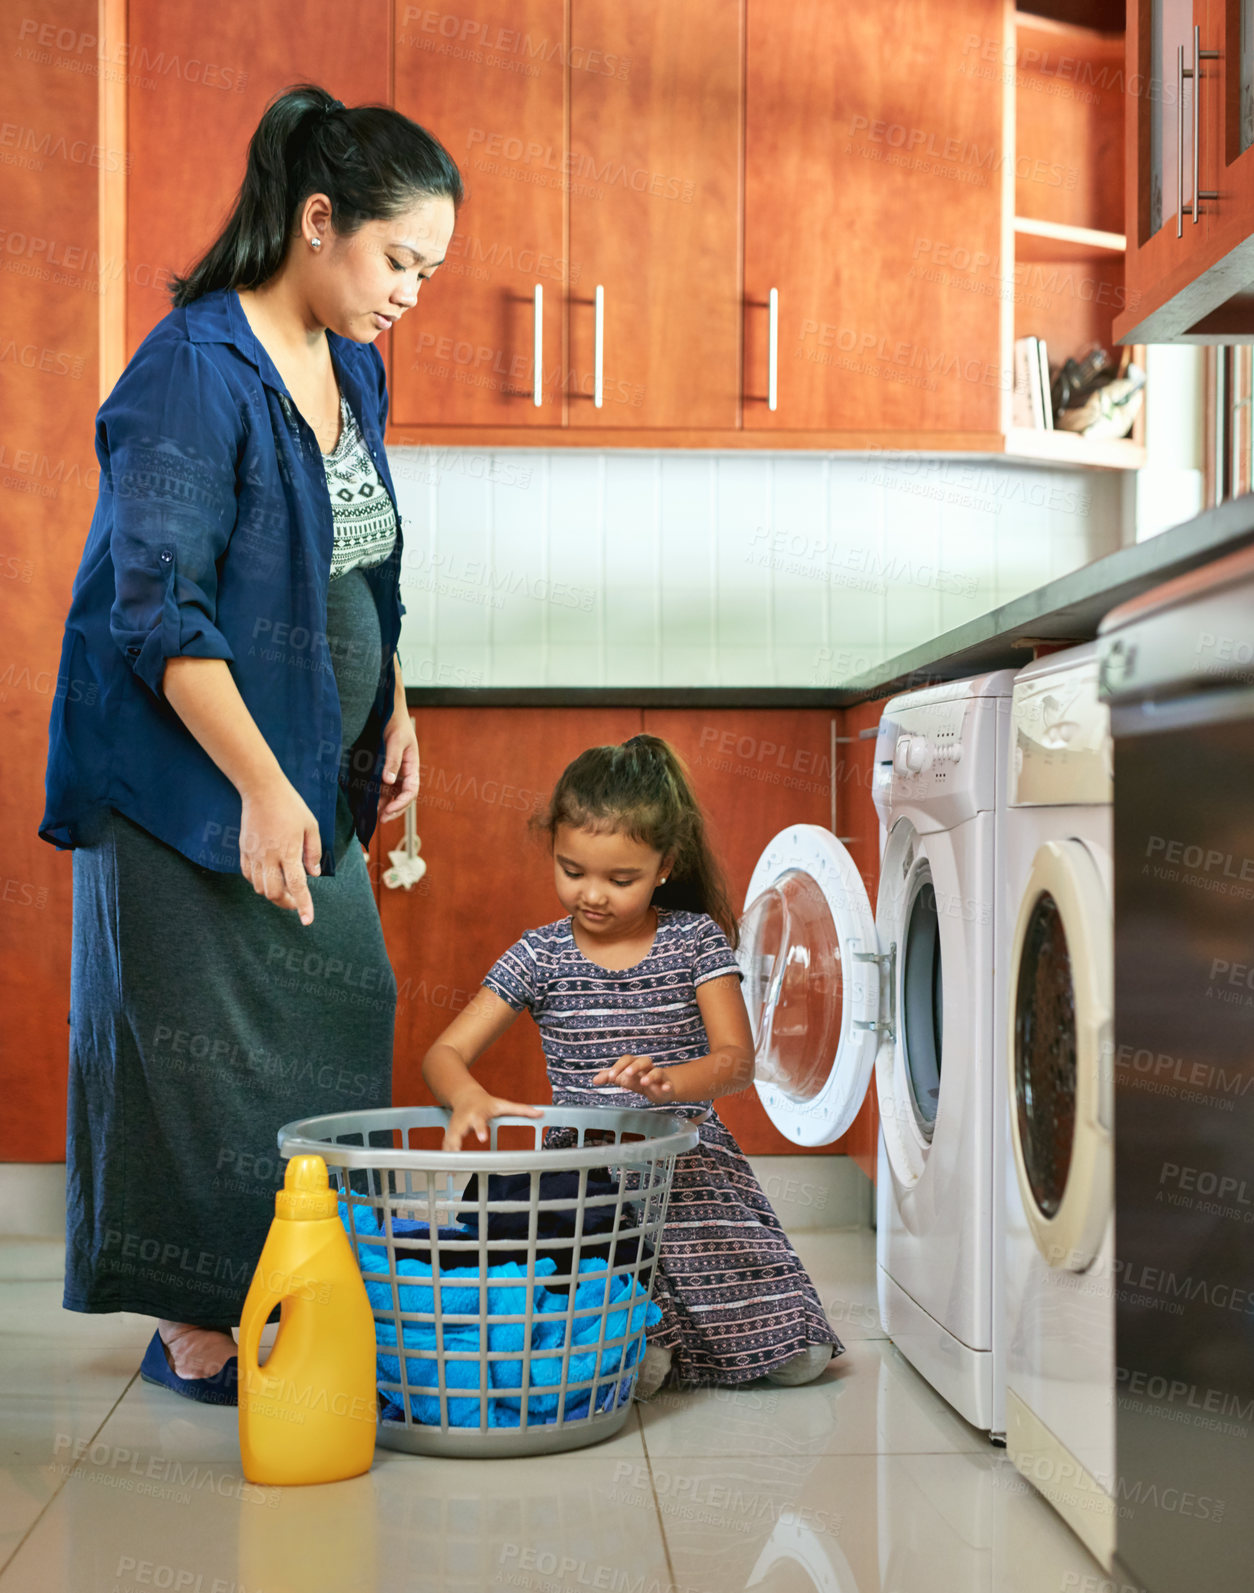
x=736, y=1301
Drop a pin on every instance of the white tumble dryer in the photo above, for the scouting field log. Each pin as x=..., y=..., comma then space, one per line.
x=835, y=993
x=1059, y=1249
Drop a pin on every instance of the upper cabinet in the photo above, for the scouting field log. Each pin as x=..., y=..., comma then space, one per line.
x=485, y=345
x=728, y=221
x=873, y=167
x=655, y=154
x=715, y=224
x=1190, y=203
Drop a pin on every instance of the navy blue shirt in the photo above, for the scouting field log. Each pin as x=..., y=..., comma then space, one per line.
x=212, y=539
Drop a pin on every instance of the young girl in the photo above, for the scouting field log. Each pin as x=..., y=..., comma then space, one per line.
x=637, y=993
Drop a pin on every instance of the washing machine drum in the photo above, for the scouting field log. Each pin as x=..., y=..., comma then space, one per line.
x=1059, y=1054
x=811, y=998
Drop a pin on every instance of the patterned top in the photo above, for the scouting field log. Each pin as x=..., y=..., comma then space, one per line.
x=589, y=1016
x=365, y=524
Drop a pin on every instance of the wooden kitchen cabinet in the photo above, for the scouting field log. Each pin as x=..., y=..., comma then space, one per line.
x=867, y=149
x=655, y=154
x=1191, y=282
x=601, y=149
x=492, y=89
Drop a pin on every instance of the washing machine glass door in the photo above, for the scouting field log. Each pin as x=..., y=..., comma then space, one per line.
x=908, y=1072
x=811, y=983
x=1059, y=1054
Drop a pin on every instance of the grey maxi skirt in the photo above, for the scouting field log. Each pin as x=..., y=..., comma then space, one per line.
x=203, y=1018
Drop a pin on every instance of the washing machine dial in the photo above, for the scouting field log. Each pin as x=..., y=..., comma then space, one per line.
x=913, y=755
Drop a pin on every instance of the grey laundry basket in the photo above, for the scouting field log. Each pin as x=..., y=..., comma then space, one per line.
x=381, y=1165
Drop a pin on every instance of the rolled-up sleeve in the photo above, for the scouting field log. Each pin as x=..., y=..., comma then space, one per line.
x=173, y=435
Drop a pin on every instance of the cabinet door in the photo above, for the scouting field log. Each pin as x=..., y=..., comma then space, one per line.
x=1164, y=245
x=870, y=152
x=655, y=212
x=1230, y=30
x=490, y=84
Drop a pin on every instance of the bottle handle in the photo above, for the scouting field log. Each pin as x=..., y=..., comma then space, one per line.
x=256, y=1315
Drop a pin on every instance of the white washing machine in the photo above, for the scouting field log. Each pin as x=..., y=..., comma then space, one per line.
x=835, y=992
x=1059, y=1243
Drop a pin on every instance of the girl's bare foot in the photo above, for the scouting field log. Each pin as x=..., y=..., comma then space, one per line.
x=195, y=1351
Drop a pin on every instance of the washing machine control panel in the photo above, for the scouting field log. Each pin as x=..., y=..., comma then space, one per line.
x=937, y=750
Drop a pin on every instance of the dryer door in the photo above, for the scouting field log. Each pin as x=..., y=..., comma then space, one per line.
x=1058, y=1048
x=807, y=949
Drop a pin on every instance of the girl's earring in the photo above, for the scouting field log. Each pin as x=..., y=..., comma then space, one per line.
x=662, y=881
x=315, y=243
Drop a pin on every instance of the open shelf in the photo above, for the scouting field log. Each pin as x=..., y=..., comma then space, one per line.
x=1047, y=242
x=1065, y=236
x=1069, y=448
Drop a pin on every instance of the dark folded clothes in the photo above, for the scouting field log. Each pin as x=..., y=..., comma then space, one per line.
x=555, y=1223
x=413, y=1242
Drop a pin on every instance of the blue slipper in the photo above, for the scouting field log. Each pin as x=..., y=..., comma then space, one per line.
x=220, y=1389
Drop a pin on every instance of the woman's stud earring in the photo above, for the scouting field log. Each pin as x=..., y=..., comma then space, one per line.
x=662, y=881
x=315, y=243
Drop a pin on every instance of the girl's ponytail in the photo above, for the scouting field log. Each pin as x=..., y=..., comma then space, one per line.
x=643, y=788
x=369, y=160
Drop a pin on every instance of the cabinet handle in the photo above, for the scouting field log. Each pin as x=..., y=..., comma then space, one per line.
x=537, y=351
x=598, y=357
x=772, y=351
x=1194, y=72
x=1180, y=140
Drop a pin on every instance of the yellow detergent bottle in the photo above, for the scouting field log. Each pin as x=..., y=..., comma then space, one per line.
x=310, y=1413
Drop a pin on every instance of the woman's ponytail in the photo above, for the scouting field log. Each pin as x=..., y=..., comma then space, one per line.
x=369, y=160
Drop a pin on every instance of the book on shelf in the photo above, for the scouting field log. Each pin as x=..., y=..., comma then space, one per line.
x=1030, y=398
x=1047, y=403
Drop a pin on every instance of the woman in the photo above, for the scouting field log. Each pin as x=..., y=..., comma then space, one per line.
x=237, y=612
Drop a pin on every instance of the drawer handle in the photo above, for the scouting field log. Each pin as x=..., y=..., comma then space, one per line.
x=537, y=351
x=772, y=350
x=598, y=357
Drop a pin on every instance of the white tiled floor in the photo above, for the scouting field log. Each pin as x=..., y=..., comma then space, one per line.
x=865, y=1482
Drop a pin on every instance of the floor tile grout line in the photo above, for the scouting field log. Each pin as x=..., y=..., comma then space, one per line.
x=52, y=1498
x=657, y=1504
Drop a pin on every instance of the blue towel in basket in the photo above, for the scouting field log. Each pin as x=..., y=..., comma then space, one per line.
x=460, y=1287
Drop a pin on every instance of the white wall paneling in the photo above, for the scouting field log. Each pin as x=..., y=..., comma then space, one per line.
x=582, y=568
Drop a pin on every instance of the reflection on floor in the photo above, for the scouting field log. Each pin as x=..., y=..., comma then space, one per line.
x=865, y=1482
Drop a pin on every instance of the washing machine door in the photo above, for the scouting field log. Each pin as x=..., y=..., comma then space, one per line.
x=1059, y=1053
x=811, y=984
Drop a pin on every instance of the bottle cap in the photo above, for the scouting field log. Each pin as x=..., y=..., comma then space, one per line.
x=306, y=1195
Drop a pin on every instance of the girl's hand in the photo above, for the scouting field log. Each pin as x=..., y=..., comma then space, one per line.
x=279, y=845
x=400, y=765
x=638, y=1073
x=473, y=1112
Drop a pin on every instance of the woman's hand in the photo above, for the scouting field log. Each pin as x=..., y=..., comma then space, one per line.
x=400, y=765
x=638, y=1073
x=279, y=845
x=473, y=1110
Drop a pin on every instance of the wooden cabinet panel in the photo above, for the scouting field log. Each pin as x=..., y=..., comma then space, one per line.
x=202, y=78
x=48, y=395
x=655, y=211
x=493, y=91
x=1160, y=263
x=867, y=147
x=484, y=772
